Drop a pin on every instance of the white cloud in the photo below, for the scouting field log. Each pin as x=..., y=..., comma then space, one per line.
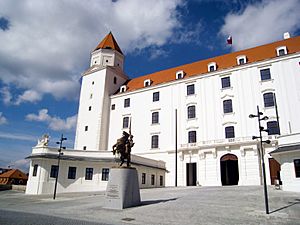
x=6, y=95
x=48, y=43
x=16, y=136
x=262, y=23
x=3, y=120
x=54, y=123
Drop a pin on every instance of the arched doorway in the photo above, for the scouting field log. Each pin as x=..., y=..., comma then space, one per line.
x=229, y=169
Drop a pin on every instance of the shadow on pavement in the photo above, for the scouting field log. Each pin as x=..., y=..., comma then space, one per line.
x=150, y=202
x=297, y=201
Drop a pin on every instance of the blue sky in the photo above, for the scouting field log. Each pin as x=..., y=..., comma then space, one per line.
x=45, y=46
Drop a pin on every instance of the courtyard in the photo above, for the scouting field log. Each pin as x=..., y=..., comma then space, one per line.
x=181, y=205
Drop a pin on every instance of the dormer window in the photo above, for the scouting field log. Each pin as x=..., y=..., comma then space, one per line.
x=180, y=74
x=147, y=83
x=281, y=50
x=212, y=67
x=123, y=88
x=241, y=60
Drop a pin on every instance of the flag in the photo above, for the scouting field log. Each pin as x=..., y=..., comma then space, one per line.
x=229, y=40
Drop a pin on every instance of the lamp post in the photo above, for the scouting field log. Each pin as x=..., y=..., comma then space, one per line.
x=58, y=161
x=259, y=114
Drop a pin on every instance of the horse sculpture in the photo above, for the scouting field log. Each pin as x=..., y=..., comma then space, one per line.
x=123, y=147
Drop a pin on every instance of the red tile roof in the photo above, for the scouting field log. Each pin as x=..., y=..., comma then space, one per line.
x=14, y=174
x=227, y=61
x=109, y=42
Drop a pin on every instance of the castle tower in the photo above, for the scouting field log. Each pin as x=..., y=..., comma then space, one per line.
x=102, y=79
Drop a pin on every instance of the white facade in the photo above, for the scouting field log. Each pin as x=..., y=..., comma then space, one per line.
x=214, y=131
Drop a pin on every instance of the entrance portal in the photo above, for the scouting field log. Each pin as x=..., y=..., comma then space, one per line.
x=274, y=170
x=191, y=175
x=229, y=170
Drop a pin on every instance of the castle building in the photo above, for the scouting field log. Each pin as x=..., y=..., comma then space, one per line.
x=198, y=112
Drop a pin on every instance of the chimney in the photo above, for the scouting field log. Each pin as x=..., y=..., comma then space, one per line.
x=286, y=35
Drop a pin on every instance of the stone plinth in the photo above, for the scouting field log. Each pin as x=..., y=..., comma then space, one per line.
x=122, y=189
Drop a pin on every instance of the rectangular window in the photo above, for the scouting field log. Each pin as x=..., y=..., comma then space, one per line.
x=297, y=167
x=155, y=117
x=269, y=99
x=35, y=167
x=105, y=174
x=241, y=61
x=86, y=128
x=154, y=141
x=155, y=96
x=212, y=68
x=89, y=173
x=125, y=122
x=84, y=147
x=152, y=179
x=113, y=106
x=229, y=132
x=72, y=172
x=143, y=178
x=265, y=74
x=191, y=112
x=54, y=171
x=225, y=82
x=90, y=108
x=126, y=102
x=281, y=52
x=272, y=127
x=161, y=180
x=192, y=136
x=190, y=89
x=227, y=106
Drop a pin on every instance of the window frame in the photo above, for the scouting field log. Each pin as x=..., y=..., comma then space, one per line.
x=54, y=171
x=105, y=174
x=155, y=141
x=155, y=96
x=269, y=100
x=227, y=108
x=155, y=117
x=126, y=102
x=89, y=172
x=212, y=65
x=125, y=122
x=72, y=174
x=225, y=82
x=229, y=132
x=143, y=178
x=191, y=112
x=272, y=130
x=192, y=136
x=34, y=170
x=241, y=57
x=280, y=49
x=190, y=89
x=265, y=76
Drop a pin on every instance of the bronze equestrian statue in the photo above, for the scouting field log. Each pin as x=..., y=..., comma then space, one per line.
x=123, y=147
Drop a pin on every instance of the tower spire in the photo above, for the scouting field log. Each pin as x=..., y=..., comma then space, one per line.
x=109, y=42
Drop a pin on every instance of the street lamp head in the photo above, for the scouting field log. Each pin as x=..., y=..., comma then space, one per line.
x=63, y=147
x=63, y=139
x=264, y=118
x=260, y=113
x=267, y=141
x=252, y=116
x=58, y=142
x=254, y=137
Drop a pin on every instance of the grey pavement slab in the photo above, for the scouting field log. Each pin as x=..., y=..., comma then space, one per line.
x=182, y=205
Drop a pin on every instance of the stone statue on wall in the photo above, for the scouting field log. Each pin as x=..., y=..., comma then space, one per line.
x=43, y=141
x=123, y=148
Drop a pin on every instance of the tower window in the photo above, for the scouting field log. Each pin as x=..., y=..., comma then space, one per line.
x=265, y=74
x=154, y=141
x=126, y=102
x=272, y=127
x=115, y=80
x=155, y=96
x=190, y=89
x=113, y=106
x=84, y=147
x=155, y=117
x=125, y=122
x=192, y=136
x=91, y=96
x=35, y=167
x=269, y=99
x=227, y=106
x=191, y=110
x=86, y=128
x=93, y=82
x=225, y=82
x=229, y=132
x=90, y=108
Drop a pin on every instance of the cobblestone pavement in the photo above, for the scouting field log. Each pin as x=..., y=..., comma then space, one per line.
x=182, y=205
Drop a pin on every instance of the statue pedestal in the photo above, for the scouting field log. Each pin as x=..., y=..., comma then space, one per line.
x=122, y=190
